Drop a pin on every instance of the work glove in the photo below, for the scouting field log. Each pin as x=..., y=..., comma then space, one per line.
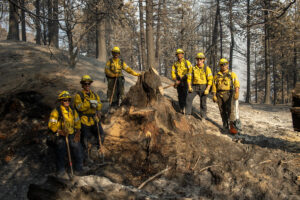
x=77, y=136
x=236, y=96
x=206, y=92
x=94, y=103
x=190, y=89
x=215, y=98
x=62, y=133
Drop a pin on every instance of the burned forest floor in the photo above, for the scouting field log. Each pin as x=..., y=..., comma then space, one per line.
x=197, y=158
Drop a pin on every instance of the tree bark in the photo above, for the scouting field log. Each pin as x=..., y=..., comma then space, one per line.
x=37, y=22
x=50, y=21
x=274, y=81
x=23, y=20
x=149, y=34
x=157, y=48
x=44, y=22
x=55, y=40
x=267, y=99
x=248, y=93
x=142, y=35
x=13, y=30
x=100, y=38
x=256, y=77
x=221, y=32
x=214, y=39
x=231, y=35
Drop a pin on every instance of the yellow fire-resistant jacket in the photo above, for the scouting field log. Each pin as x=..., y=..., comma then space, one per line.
x=114, y=68
x=200, y=75
x=86, y=111
x=67, y=122
x=179, y=69
x=225, y=81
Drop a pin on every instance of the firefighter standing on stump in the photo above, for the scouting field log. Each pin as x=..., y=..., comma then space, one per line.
x=199, y=81
x=88, y=103
x=65, y=123
x=225, y=91
x=115, y=78
x=180, y=70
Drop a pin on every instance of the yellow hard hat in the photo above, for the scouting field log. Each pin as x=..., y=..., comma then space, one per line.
x=86, y=78
x=200, y=56
x=178, y=51
x=116, y=50
x=223, y=61
x=64, y=95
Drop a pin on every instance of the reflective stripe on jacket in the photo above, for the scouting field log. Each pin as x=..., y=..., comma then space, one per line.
x=180, y=69
x=223, y=81
x=86, y=112
x=67, y=122
x=115, y=68
x=200, y=75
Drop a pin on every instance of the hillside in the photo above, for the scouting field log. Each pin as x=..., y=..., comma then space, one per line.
x=260, y=163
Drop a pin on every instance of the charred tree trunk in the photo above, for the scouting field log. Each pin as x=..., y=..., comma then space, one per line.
x=221, y=33
x=100, y=41
x=44, y=22
x=37, y=22
x=267, y=99
x=231, y=35
x=248, y=94
x=256, y=78
x=274, y=82
x=54, y=35
x=142, y=35
x=149, y=34
x=214, y=39
x=50, y=21
x=23, y=20
x=13, y=30
x=157, y=47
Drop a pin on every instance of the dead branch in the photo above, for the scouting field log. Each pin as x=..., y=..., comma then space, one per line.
x=153, y=177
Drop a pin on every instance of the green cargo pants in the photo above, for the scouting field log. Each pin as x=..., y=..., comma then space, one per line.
x=118, y=93
x=225, y=101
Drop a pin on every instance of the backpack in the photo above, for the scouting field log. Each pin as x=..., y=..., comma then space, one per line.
x=82, y=99
x=186, y=64
x=229, y=74
x=121, y=62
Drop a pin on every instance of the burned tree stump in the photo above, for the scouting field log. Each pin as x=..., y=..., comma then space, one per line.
x=146, y=91
x=295, y=110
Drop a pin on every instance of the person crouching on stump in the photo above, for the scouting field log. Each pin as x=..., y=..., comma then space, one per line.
x=199, y=83
x=65, y=122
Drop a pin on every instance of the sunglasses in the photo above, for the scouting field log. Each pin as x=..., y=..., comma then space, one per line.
x=86, y=83
x=223, y=65
x=66, y=100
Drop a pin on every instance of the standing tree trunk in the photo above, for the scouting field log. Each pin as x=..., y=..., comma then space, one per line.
x=157, y=48
x=23, y=20
x=274, y=62
x=221, y=33
x=214, y=39
x=267, y=99
x=50, y=21
x=37, y=22
x=142, y=35
x=256, y=77
x=231, y=34
x=55, y=28
x=149, y=34
x=100, y=41
x=282, y=85
x=44, y=22
x=248, y=93
x=13, y=30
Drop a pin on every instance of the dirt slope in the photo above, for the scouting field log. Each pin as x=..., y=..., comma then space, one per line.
x=261, y=163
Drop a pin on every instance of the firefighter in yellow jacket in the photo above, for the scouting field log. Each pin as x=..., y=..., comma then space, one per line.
x=65, y=122
x=88, y=103
x=225, y=89
x=199, y=83
x=115, y=78
x=180, y=70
